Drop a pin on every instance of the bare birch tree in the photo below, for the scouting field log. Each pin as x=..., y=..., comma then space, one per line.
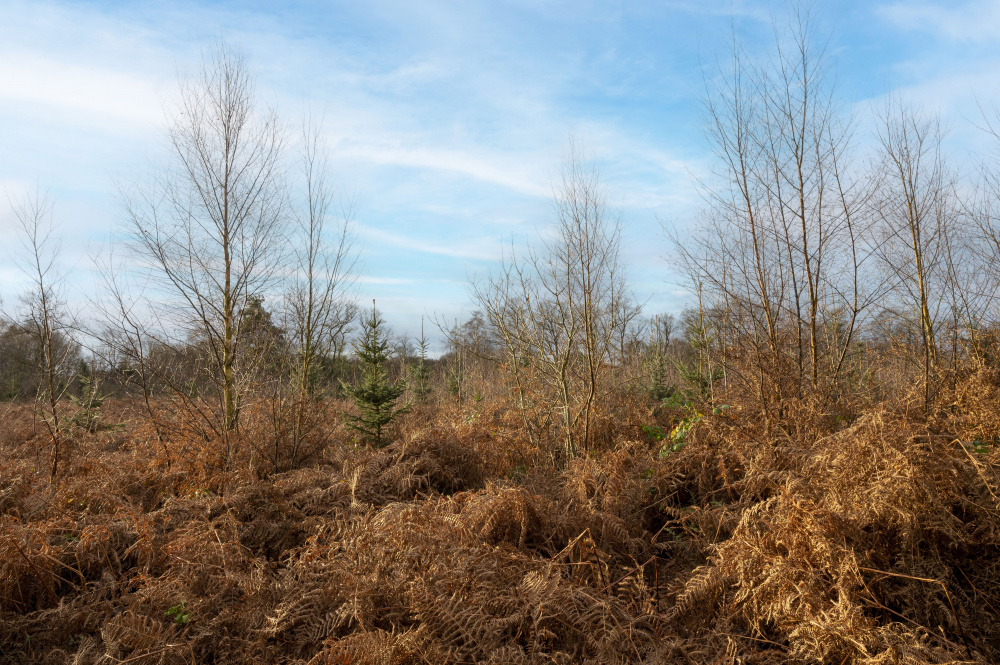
x=563, y=305
x=319, y=302
x=44, y=314
x=319, y=298
x=783, y=245
x=210, y=229
x=917, y=211
x=983, y=212
x=122, y=325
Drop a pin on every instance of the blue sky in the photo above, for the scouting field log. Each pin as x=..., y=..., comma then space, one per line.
x=447, y=119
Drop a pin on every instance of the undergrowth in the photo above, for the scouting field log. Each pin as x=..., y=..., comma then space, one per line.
x=874, y=539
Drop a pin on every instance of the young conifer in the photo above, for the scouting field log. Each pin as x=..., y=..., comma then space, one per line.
x=421, y=374
x=375, y=395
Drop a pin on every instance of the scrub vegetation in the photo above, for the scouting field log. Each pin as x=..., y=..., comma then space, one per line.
x=803, y=467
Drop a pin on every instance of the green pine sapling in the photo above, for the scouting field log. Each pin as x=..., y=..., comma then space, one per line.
x=421, y=374
x=375, y=395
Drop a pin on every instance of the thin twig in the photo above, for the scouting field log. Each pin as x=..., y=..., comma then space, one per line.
x=928, y=580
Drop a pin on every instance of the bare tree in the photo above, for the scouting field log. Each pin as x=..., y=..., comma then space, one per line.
x=319, y=301
x=122, y=326
x=811, y=205
x=983, y=211
x=210, y=229
x=783, y=245
x=918, y=213
x=501, y=299
x=563, y=305
x=44, y=314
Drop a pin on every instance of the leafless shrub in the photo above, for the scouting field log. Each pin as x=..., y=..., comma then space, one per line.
x=561, y=307
x=45, y=317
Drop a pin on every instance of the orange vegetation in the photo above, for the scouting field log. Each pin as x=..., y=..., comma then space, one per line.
x=873, y=540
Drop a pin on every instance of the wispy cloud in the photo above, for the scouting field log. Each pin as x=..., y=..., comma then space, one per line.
x=450, y=117
x=383, y=281
x=80, y=93
x=946, y=63
x=971, y=21
x=499, y=170
x=477, y=249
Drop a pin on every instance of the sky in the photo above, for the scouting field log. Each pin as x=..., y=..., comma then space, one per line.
x=447, y=121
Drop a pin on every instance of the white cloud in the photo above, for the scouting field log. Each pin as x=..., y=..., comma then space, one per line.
x=443, y=110
x=951, y=76
x=476, y=249
x=955, y=95
x=80, y=92
x=974, y=21
x=373, y=279
x=493, y=169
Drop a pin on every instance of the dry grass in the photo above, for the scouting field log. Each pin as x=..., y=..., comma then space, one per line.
x=819, y=542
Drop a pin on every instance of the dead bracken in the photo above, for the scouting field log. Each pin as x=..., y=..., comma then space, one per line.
x=459, y=543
